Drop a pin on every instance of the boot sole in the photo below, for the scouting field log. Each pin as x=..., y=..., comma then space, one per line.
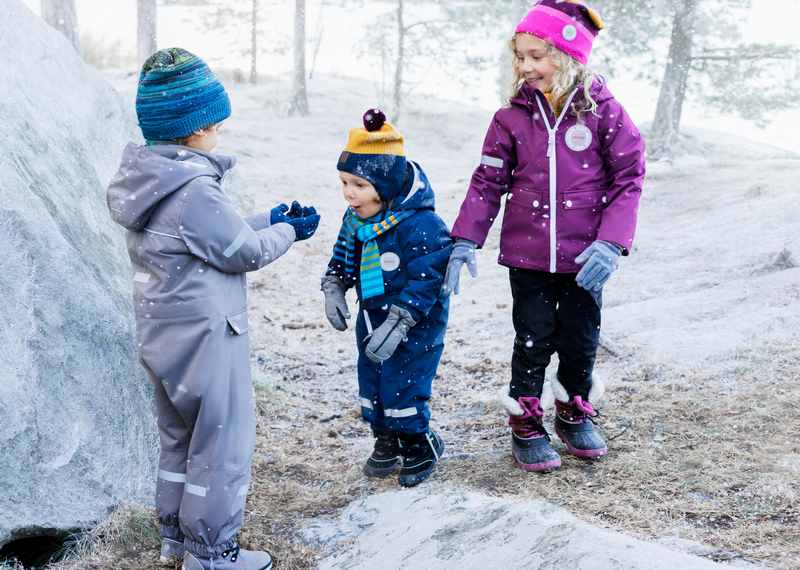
x=417, y=478
x=542, y=467
x=267, y=567
x=381, y=473
x=582, y=453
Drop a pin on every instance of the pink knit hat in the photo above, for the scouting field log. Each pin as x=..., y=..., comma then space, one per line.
x=567, y=24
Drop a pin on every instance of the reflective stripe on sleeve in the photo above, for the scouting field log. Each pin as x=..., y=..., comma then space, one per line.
x=492, y=161
x=237, y=243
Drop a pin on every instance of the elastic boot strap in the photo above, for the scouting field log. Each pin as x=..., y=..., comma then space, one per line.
x=433, y=447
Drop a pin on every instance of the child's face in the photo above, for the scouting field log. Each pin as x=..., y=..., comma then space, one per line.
x=205, y=139
x=361, y=196
x=532, y=62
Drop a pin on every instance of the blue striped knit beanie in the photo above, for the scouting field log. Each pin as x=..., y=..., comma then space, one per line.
x=178, y=95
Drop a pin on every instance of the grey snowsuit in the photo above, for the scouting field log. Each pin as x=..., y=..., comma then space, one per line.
x=190, y=251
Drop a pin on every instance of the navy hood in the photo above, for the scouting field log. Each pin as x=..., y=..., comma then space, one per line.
x=417, y=193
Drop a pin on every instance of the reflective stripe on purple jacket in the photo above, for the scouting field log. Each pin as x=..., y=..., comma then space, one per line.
x=567, y=182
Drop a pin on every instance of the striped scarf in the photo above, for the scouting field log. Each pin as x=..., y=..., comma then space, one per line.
x=366, y=231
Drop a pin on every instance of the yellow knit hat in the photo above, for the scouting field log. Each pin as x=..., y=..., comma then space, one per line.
x=376, y=154
x=377, y=137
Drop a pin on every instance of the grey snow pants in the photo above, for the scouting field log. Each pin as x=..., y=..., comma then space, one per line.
x=200, y=368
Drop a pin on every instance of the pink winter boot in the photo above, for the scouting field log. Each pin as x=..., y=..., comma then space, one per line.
x=575, y=427
x=530, y=442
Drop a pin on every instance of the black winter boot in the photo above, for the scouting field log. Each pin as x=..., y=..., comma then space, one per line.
x=385, y=458
x=421, y=452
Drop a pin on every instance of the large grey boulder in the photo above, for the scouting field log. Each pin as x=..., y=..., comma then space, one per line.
x=437, y=526
x=77, y=434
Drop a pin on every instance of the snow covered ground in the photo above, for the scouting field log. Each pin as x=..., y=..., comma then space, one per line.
x=700, y=348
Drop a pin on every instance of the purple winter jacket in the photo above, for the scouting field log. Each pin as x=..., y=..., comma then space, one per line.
x=556, y=203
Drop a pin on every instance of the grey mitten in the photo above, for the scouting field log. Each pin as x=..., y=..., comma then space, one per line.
x=463, y=252
x=387, y=337
x=335, y=303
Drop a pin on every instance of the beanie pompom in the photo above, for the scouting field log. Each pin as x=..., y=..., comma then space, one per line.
x=374, y=120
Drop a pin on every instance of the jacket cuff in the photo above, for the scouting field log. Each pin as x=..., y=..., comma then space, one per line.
x=405, y=311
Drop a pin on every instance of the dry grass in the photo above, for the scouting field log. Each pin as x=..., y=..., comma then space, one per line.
x=703, y=459
x=127, y=539
x=713, y=460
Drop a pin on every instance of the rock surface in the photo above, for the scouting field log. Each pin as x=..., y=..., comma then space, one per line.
x=76, y=429
x=435, y=526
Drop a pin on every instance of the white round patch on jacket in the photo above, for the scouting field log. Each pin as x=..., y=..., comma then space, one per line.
x=578, y=137
x=390, y=261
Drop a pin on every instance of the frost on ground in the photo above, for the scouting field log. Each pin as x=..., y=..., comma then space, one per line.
x=437, y=526
x=699, y=351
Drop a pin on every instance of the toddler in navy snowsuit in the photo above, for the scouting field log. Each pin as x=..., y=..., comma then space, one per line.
x=393, y=249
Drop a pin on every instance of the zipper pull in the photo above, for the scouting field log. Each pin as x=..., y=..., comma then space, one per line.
x=551, y=144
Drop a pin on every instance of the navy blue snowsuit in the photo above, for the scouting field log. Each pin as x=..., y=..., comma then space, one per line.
x=394, y=395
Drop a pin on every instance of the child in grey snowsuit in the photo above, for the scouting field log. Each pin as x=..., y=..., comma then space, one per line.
x=393, y=249
x=190, y=252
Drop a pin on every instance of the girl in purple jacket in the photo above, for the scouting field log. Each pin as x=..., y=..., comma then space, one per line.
x=570, y=163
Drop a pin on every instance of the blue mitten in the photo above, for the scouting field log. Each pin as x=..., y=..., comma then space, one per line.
x=296, y=211
x=599, y=261
x=278, y=214
x=305, y=226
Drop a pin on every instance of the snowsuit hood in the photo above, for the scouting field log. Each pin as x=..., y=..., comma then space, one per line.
x=417, y=193
x=149, y=174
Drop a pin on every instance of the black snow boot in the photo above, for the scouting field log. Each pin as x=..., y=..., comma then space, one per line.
x=385, y=458
x=421, y=452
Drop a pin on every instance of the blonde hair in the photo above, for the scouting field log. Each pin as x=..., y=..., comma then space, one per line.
x=569, y=75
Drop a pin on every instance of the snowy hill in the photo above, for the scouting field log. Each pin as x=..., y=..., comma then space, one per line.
x=699, y=352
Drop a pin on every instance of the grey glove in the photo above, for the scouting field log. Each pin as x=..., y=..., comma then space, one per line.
x=335, y=303
x=386, y=337
x=463, y=252
x=599, y=261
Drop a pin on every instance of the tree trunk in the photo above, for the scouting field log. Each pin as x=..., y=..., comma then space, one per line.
x=254, y=43
x=299, y=103
x=146, y=29
x=61, y=15
x=401, y=56
x=666, y=124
